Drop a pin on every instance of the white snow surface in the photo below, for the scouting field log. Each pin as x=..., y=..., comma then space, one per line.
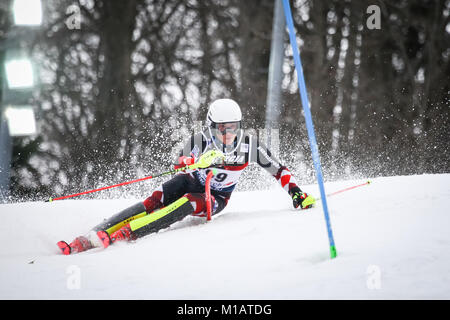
x=392, y=238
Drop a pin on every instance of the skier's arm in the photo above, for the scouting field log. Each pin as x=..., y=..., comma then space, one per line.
x=189, y=154
x=264, y=158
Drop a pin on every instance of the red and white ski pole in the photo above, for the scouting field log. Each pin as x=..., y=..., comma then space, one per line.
x=113, y=186
x=205, y=161
x=347, y=189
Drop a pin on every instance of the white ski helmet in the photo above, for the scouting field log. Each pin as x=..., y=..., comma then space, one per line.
x=223, y=111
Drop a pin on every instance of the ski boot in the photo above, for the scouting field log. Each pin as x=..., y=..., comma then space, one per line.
x=80, y=244
x=123, y=234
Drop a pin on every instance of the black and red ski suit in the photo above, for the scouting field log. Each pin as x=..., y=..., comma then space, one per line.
x=191, y=184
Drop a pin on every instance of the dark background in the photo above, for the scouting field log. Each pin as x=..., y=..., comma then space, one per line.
x=119, y=93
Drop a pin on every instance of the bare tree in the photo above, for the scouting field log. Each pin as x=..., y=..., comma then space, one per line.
x=122, y=90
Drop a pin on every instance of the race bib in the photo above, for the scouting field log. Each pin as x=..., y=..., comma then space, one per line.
x=222, y=180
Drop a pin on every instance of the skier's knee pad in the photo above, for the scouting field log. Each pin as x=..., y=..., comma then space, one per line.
x=154, y=201
x=198, y=202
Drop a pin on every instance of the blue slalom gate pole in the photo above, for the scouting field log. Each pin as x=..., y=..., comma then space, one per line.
x=309, y=123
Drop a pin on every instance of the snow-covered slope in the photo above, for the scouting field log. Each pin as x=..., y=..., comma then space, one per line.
x=392, y=238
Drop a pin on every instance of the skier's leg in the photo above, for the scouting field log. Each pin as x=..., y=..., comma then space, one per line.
x=170, y=191
x=155, y=201
x=188, y=204
x=157, y=220
x=121, y=218
x=165, y=194
x=198, y=201
x=182, y=196
x=117, y=227
x=181, y=184
x=162, y=218
x=114, y=223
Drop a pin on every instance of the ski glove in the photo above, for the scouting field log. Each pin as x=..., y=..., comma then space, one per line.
x=206, y=160
x=301, y=199
x=210, y=158
x=184, y=161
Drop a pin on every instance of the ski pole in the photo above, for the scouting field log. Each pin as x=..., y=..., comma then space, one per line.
x=347, y=189
x=205, y=161
x=116, y=185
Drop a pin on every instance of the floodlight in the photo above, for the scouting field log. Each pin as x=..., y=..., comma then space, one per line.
x=27, y=12
x=19, y=73
x=21, y=121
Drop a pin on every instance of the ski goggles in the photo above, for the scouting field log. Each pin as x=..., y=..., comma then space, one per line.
x=227, y=127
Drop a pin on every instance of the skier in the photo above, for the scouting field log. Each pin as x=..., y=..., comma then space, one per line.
x=223, y=140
